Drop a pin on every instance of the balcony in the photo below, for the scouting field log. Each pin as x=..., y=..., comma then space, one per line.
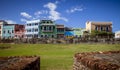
x=47, y=30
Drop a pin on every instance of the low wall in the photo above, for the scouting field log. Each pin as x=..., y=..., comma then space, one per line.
x=20, y=63
x=97, y=61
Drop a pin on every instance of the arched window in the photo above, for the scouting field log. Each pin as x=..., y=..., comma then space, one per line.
x=96, y=28
x=107, y=28
x=101, y=28
x=50, y=28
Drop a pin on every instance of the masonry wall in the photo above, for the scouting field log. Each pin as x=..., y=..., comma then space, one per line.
x=20, y=63
x=97, y=61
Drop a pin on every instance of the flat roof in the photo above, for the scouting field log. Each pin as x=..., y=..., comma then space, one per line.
x=99, y=22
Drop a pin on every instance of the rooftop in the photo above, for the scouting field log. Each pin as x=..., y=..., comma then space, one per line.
x=100, y=23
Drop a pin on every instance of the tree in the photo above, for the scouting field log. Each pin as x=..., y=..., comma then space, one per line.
x=103, y=34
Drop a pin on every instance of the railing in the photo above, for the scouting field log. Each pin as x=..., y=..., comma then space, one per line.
x=47, y=30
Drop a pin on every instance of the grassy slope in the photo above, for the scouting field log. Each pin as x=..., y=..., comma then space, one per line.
x=54, y=56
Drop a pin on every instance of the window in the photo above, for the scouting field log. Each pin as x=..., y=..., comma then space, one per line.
x=52, y=36
x=8, y=31
x=41, y=28
x=43, y=22
x=15, y=35
x=36, y=30
x=4, y=32
x=101, y=28
x=36, y=23
x=45, y=28
x=45, y=36
x=50, y=21
x=53, y=27
x=50, y=28
x=12, y=31
x=33, y=30
x=107, y=28
x=96, y=28
x=41, y=35
x=32, y=24
x=29, y=30
x=29, y=24
x=35, y=35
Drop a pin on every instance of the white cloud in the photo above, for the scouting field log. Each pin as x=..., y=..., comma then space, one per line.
x=74, y=9
x=26, y=15
x=53, y=14
x=51, y=6
x=10, y=22
x=41, y=12
x=23, y=20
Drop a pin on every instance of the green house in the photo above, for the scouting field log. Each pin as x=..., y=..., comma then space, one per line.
x=47, y=29
x=78, y=32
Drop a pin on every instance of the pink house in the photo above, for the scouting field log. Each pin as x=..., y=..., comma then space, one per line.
x=19, y=31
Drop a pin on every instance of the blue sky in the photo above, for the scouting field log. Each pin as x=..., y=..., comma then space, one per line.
x=72, y=13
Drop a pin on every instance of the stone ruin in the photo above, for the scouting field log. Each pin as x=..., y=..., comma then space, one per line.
x=109, y=60
x=20, y=63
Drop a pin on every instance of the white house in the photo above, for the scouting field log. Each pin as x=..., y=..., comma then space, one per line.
x=32, y=29
x=117, y=34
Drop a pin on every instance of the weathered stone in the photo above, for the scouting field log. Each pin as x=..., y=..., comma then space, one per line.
x=20, y=63
x=109, y=60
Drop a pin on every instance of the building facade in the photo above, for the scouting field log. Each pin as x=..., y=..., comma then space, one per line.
x=117, y=34
x=47, y=29
x=60, y=31
x=19, y=31
x=32, y=29
x=69, y=33
x=98, y=26
x=8, y=31
x=2, y=22
x=78, y=32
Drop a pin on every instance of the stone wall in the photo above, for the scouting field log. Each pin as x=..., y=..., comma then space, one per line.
x=20, y=63
x=109, y=60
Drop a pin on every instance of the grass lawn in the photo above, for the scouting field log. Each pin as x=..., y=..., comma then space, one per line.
x=55, y=56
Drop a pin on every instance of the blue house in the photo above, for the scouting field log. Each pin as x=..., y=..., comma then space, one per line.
x=8, y=31
x=69, y=33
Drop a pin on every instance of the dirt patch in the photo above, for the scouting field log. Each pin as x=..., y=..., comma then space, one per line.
x=20, y=63
x=109, y=60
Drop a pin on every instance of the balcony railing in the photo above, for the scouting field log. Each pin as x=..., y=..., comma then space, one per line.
x=47, y=30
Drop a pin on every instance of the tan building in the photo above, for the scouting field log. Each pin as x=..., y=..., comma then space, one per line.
x=1, y=26
x=98, y=26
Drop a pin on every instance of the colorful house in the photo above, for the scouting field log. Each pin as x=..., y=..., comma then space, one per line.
x=60, y=31
x=69, y=33
x=32, y=29
x=19, y=31
x=98, y=26
x=8, y=31
x=2, y=22
x=117, y=34
x=78, y=32
x=47, y=29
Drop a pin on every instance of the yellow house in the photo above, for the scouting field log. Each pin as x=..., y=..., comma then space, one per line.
x=98, y=26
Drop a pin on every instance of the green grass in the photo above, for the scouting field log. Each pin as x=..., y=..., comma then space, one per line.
x=55, y=56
